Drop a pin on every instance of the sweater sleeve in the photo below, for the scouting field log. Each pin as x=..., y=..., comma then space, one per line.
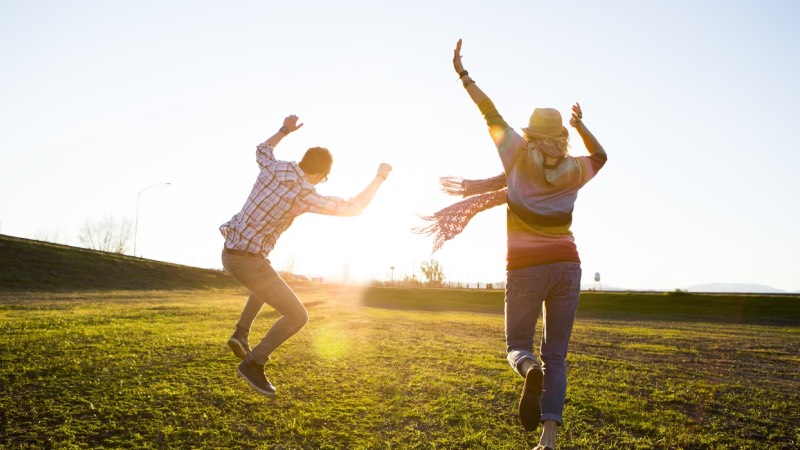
x=508, y=142
x=492, y=116
x=590, y=165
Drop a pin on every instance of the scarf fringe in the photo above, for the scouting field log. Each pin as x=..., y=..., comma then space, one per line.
x=447, y=223
x=480, y=195
x=467, y=188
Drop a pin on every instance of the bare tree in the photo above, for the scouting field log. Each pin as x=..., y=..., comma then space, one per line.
x=106, y=235
x=53, y=236
x=433, y=271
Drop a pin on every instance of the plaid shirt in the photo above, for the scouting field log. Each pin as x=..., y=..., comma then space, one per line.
x=281, y=193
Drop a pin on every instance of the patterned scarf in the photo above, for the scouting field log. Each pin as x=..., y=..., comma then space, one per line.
x=449, y=222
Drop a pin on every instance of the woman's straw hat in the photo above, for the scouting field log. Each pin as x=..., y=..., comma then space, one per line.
x=545, y=123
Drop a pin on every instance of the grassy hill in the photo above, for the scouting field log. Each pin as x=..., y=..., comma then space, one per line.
x=28, y=265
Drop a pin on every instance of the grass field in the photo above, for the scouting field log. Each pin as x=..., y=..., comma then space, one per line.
x=392, y=369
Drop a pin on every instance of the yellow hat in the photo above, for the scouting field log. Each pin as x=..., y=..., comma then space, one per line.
x=545, y=123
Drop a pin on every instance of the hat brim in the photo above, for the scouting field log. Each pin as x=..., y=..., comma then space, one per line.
x=533, y=134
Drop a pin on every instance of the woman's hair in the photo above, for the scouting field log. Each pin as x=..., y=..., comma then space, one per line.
x=552, y=147
x=317, y=160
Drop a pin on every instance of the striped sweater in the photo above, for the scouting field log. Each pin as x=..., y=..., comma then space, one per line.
x=541, y=197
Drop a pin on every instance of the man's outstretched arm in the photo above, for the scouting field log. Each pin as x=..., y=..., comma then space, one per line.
x=336, y=206
x=365, y=197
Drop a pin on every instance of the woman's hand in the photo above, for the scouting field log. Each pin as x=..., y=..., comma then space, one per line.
x=577, y=115
x=589, y=140
x=457, y=58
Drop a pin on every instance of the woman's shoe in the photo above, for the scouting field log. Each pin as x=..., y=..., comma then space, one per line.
x=530, y=406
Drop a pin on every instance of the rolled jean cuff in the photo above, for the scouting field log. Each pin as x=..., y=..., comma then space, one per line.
x=515, y=357
x=547, y=416
x=258, y=359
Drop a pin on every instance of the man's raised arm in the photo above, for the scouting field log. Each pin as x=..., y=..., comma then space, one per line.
x=289, y=125
x=365, y=197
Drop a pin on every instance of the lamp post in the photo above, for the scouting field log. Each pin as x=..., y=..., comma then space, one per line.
x=136, y=225
x=392, y=282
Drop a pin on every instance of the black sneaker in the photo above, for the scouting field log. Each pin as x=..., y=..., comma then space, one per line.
x=254, y=374
x=239, y=344
x=530, y=406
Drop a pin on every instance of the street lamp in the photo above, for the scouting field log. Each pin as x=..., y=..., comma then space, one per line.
x=136, y=225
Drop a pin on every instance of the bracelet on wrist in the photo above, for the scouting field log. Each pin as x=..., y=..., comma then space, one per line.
x=284, y=130
x=462, y=74
x=468, y=82
x=381, y=176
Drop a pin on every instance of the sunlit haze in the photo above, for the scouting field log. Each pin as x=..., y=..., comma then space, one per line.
x=695, y=103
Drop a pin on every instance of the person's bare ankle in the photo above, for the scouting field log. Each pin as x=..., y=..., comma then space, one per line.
x=548, y=439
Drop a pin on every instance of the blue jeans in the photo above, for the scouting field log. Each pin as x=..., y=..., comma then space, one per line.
x=557, y=287
x=266, y=287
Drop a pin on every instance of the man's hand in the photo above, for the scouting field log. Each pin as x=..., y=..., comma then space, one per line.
x=290, y=124
x=384, y=169
x=457, y=58
x=577, y=115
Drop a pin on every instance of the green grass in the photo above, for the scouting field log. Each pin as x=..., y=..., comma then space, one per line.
x=391, y=369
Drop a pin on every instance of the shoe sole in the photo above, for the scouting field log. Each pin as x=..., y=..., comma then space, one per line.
x=530, y=407
x=238, y=348
x=258, y=389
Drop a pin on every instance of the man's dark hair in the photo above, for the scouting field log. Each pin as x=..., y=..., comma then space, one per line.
x=317, y=160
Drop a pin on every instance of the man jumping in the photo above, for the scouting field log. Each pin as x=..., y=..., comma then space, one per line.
x=283, y=190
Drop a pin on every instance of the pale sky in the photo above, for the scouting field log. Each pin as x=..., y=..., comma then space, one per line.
x=694, y=101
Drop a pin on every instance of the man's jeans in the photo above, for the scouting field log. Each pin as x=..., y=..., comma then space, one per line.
x=557, y=286
x=266, y=286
